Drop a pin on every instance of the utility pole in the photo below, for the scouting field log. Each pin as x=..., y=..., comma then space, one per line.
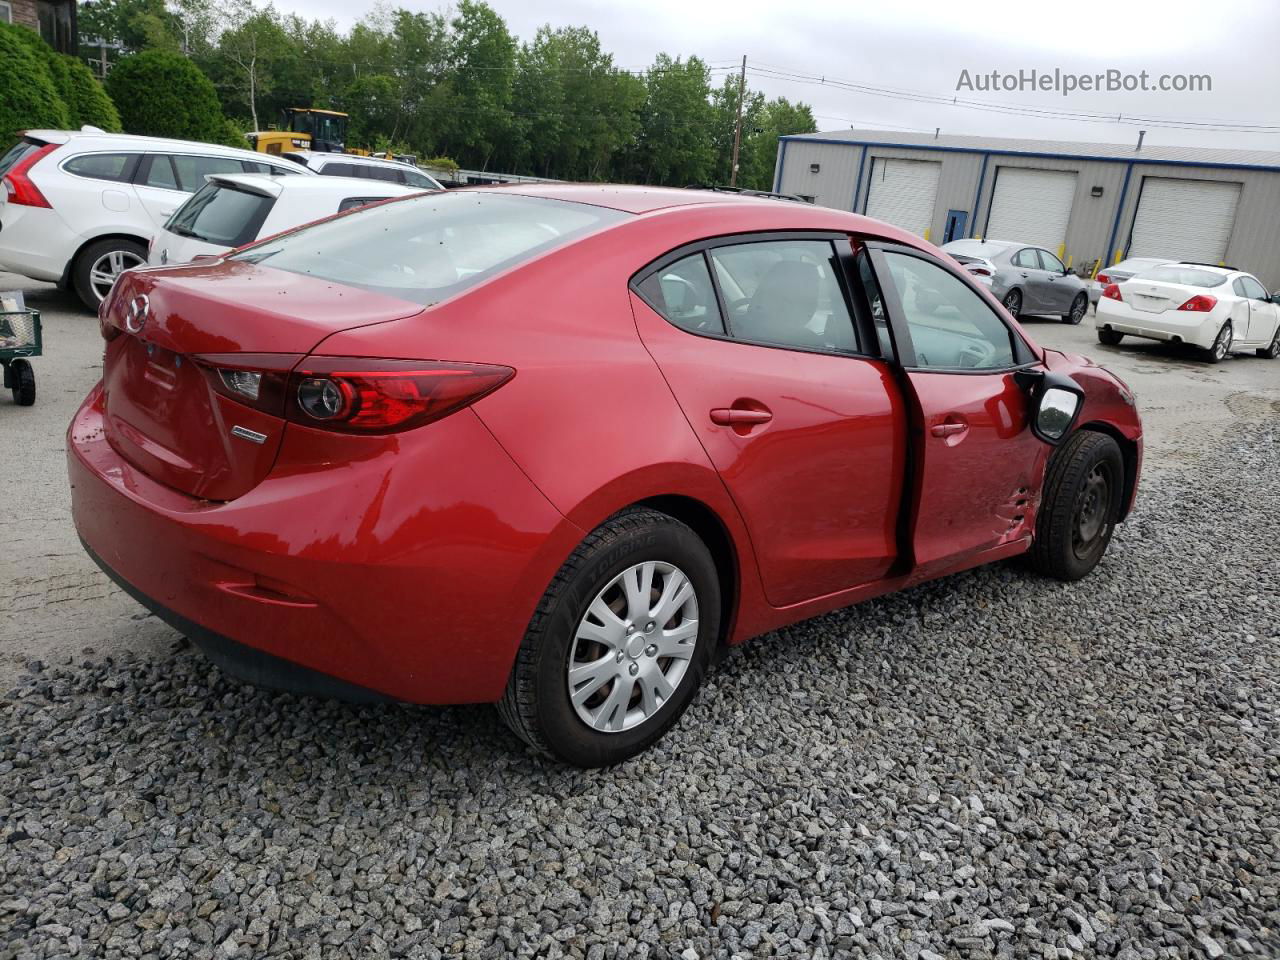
x=737, y=130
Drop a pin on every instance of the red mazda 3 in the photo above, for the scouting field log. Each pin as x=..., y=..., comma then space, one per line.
x=550, y=446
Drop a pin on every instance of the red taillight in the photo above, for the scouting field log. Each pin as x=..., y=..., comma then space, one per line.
x=1103, y=279
x=1200, y=303
x=351, y=395
x=1112, y=292
x=385, y=396
x=980, y=271
x=18, y=186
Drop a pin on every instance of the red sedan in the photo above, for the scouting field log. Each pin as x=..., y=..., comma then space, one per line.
x=550, y=446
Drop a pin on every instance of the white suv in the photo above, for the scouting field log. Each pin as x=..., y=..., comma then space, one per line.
x=370, y=168
x=80, y=206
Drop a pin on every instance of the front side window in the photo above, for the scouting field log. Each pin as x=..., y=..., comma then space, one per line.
x=875, y=303
x=784, y=292
x=222, y=215
x=101, y=166
x=1051, y=263
x=951, y=326
x=193, y=169
x=432, y=246
x=683, y=293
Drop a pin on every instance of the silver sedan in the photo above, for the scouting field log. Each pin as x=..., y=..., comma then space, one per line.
x=1027, y=279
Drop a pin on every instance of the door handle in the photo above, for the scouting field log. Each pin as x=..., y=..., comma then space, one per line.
x=1023, y=275
x=734, y=416
x=948, y=429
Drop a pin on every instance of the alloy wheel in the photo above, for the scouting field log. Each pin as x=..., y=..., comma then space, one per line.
x=109, y=266
x=633, y=646
x=1092, y=511
x=1013, y=302
x=1222, y=345
x=1079, y=307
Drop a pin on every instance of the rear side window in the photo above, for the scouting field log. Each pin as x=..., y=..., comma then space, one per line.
x=160, y=173
x=103, y=166
x=415, y=179
x=271, y=169
x=221, y=214
x=339, y=170
x=351, y=203
x=784, y=292
x=193, y=169
x=1026, y=258
x=1187, y=275
x=684, y=295
x=432, y=246
x=389, y=174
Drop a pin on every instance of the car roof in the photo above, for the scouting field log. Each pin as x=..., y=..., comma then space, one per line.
x=1212, y=267
x=355, y=158
x=636, y=199
x=268, y=185
x=132, y=141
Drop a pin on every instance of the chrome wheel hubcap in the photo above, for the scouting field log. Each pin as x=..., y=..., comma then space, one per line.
x=1223, y=343
x=108, y=267
x=633, y=646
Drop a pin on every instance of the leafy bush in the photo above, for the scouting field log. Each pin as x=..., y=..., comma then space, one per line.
x=233, y=134
x=161, y=93
x=86, y=98
x=441, y=163
x=30, y=97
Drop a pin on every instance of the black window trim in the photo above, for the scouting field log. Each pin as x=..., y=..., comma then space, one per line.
x=126, y=175
x=899, y=330
x=705, y=245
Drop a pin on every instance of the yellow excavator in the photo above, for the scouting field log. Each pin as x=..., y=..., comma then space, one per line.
x=306, y=128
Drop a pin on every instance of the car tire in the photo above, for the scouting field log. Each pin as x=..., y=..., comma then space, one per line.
x=22, y=382
x=1079, y=307
x=538, y=704
x=1013, y=302
x=1109, y=337
x=1272, y=351
x=1079, y=507
x=99, y=259
x=1221, y=348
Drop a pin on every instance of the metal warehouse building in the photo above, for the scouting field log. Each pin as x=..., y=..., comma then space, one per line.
x=1094, y=203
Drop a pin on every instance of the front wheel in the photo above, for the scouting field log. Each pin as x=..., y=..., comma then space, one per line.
x=1079, y=307
x=1109, y=337
x=619, y=643
x=1082, y=491
x=1013, y=302
x=1221, y=345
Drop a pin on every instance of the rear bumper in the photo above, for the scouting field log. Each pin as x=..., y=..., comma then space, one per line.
x=411, y=573
x=1198, y=329
x=34, y=242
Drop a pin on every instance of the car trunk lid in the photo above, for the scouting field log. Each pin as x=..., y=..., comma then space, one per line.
x=1154, y=296
x=169, y=329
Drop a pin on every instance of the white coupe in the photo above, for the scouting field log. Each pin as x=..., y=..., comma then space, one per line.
x=1221, y=310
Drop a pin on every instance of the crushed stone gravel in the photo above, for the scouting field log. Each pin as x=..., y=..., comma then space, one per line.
x=992, y=766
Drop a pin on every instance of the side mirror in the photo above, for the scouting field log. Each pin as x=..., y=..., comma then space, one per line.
x=1055, y=404
x=1275, y=297
x=1068, y=271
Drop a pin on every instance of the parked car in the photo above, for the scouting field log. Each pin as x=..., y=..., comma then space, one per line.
x=549, y=446
x=372, y=168
x=1120, y=272
x=1027, y=279
x=233, y=209
x=1221, y=310
x=80, y=206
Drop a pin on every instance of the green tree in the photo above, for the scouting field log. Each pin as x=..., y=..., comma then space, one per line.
x=779, y=118
x=675, y=141
x=476, y=119
x=30, y=97
x=134, y=25
x=86, y=99
x=163, y=94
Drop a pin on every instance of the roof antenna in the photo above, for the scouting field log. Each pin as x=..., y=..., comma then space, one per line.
x=936, y=131
x=1141, y=134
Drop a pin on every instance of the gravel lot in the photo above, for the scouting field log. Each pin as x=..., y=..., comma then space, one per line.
x=992, y=765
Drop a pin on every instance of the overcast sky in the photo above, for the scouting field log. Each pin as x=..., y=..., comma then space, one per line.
x=921, y=46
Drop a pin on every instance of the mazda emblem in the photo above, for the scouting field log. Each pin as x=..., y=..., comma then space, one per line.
x=135, y=317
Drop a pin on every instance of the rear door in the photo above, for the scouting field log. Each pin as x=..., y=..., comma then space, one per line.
x=805, y=425
x=977, y=466
x=1030, y=276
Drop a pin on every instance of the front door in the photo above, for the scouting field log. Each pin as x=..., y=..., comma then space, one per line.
x=1029, y=276
x=1059, y=291
x=957, y=222
x=806, y=429
x=977, y=463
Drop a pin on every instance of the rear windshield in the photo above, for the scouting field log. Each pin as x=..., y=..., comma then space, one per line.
x=972, y=248
x=1187, y=275
x=221, y=214
x=16, y=153
x=430, y=247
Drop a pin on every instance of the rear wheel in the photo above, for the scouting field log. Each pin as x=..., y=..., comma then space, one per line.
x=1079, y=307
x=1221, y=345
x=22, y=380
x=99, y=264
x=1273, y=350
x=1013, y=302
x=618, y=644
x=1081, y=502
x=1110, y=337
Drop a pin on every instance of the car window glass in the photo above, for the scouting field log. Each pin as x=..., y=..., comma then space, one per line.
x=388, y=174
x=1049, y=262
x=785, y=292
x=161, y=173
x=339, y=170
x=350, y=203
x=1174, y=273
x=682, y=292
x=1026, y=258
x=17, y=152
x=875, y=303
x=415, y=179
x=222, y=215
x=193, y=169
x=100, y=166
x=253, y=166
x=951, y=326
x=1253, y=289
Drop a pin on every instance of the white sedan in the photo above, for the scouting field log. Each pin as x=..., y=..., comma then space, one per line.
x=1221, y=310
x=233, y=209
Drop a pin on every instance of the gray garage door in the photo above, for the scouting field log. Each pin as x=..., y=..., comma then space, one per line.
x=1031, y=206
x=1184, y=219
x=903, y=192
